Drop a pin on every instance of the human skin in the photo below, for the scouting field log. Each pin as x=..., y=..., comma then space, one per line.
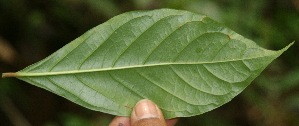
x=145, y=113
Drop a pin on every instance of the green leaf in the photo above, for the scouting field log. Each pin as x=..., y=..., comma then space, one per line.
x=186, y=63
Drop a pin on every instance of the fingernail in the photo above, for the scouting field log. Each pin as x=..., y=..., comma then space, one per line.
x=146, y=109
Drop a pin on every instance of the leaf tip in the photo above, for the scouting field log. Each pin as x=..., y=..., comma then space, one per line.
x=10, y=74
x=287, y=47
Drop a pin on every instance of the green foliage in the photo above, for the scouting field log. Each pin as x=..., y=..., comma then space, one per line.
x=35, y=29
x=186, y=63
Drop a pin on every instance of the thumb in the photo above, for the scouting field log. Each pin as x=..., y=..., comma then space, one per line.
x=146, y=113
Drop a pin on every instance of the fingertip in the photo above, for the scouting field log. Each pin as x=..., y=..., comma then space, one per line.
x=145, y=109
x=171, y=122
x=147, y=112
x=120, y=121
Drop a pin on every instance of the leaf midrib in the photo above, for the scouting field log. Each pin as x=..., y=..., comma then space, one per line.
x=23, y=74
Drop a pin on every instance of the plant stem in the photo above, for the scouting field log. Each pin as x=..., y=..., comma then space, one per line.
x=10, y=74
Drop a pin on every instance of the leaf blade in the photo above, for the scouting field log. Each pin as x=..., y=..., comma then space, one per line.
x=186, y=63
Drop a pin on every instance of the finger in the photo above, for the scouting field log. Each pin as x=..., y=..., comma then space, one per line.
x=171, y=122
x=146, y=113
x=120, y=121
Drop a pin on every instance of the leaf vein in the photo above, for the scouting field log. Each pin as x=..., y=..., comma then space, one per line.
x=163, y=40
x=120, y=83
x=218, y=51
x=155, y=23
x=204, y=66
x=153, y=82
x=74, y=48
x=78, y=98
x=89, y=55
x=178, y=75
x=19, y=74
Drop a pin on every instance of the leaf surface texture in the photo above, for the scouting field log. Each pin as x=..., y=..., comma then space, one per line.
x=186, y=63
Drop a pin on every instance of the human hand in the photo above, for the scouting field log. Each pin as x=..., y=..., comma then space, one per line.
x=145, y=113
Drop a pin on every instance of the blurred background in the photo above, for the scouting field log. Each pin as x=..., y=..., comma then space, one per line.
x=30, y=30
